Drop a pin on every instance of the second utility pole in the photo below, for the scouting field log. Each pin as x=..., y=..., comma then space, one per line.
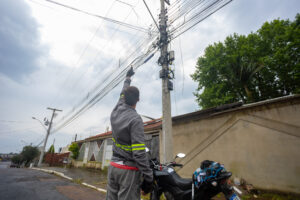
x=48, y=132
x=167, y=85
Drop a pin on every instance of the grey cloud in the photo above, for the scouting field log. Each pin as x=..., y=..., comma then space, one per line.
x=248, y=16
x=19, y=39
x=15, y=140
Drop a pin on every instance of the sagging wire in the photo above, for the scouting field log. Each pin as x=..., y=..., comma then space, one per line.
x=101, y=17
x=110, y=86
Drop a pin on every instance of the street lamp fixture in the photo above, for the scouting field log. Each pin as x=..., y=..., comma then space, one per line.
x=40, y=123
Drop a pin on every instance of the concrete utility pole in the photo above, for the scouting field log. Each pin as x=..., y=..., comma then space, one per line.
x=167, y=85
x=48, y=132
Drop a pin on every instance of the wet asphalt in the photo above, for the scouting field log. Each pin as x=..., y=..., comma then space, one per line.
x=23, y=184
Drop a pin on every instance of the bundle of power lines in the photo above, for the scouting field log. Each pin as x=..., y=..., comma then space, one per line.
x=187, y=14
x=104, y=87
x=183, y=15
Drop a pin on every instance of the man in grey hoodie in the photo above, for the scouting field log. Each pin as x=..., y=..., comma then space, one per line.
x=129, y=162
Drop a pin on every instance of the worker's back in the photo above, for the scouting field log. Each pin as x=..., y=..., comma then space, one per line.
x=123, y=118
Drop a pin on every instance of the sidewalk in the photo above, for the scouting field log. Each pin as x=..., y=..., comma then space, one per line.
x=93, y=177
x=98, y=179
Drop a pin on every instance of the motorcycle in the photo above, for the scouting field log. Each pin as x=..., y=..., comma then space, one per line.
x=206, y=182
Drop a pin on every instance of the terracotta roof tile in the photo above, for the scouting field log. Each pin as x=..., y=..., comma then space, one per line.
x=149, y=125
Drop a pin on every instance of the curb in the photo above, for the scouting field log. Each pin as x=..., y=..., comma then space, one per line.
x=69, y=178
x=93, y=187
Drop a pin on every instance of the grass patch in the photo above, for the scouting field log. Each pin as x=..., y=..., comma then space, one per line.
x=102, y=184
x=272, y=196
x=105, y=170
x=77, y=180
x=145, y=197
x=246, y=197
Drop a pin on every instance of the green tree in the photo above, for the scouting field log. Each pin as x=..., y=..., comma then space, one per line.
x=74, y=148
x=51, y=149
x=259, y=66
x=28, y=154
x=17, y=159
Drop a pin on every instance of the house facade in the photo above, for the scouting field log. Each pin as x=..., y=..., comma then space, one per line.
x=96, y=151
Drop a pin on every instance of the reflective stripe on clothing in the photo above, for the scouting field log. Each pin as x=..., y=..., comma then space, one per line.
x=120, y=166
x=133, y=147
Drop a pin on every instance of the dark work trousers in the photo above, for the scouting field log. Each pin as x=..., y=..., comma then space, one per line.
x=123, y=184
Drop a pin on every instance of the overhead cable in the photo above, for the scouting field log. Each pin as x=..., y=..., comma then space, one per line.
x=151, y=15
x=101, y=17
x=107, y=78
x=100, y=48
x=82, y=54
x=111, y=85
x=197, y=17
x=90, y=94
x=192, y=12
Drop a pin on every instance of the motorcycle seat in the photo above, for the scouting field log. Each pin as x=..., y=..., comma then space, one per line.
x=182, y=183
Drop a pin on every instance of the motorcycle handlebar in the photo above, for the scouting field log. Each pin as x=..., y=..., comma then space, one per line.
x=176, y=165
x=157, y=165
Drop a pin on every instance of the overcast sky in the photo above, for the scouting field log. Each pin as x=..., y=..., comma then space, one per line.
x=52, y=57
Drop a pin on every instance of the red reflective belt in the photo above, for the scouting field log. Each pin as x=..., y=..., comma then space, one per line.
x=123, y=166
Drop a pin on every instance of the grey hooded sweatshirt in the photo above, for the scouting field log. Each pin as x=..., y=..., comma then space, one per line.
x=128, y=136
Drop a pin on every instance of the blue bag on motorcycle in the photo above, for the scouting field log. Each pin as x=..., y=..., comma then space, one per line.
x=208, y=171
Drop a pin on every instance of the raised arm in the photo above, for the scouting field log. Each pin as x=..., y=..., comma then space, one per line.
x=126, y=84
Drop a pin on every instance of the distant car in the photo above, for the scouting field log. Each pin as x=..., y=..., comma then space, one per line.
x=12, y=165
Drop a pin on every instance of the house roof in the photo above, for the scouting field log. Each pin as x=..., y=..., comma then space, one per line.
x=206, y=113
x=100, y=135
x=148, y=126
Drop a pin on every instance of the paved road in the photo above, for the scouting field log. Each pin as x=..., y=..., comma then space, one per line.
x=30, y=184
x=4, y=164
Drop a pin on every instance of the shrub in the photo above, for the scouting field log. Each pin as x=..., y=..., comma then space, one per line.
x=74, y=148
